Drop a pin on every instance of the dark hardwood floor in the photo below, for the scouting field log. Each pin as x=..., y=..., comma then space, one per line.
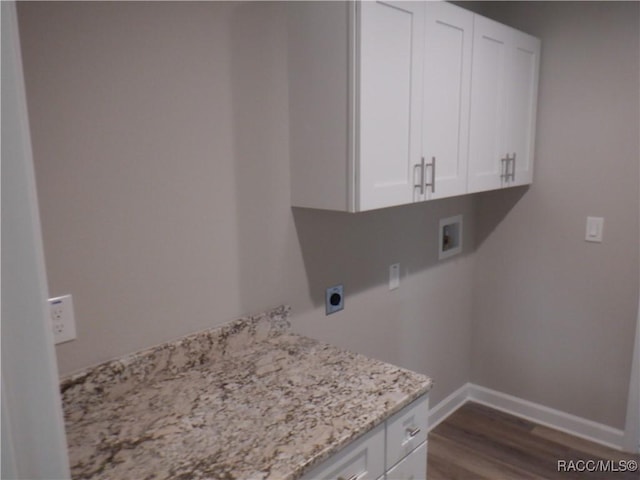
x=480, y=443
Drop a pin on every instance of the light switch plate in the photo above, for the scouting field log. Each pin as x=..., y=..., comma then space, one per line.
x=394, y=276
x=594, y=230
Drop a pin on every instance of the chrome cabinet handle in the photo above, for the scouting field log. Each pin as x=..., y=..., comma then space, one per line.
x=433, y=175
x=513, y=167
x=420, y=185
x=505, y=168
x=413, y=431
x=352, y=477
x=506, y=161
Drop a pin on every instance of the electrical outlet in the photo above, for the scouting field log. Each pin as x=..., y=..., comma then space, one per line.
x=334, y=299
x=62, y=319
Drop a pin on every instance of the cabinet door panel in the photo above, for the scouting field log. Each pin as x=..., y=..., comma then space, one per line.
x=488, y=109
x=521, y=104
x=364, y=459
x=320, y=127
x=447, y=77
x=407, y=429
x=390, y=67
x=412, y=467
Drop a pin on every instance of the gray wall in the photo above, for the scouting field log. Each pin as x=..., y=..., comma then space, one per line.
x=160, y=140
x=161, y=148
x=554, y=315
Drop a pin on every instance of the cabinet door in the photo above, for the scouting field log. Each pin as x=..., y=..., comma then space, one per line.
x=319, y=64
x=412, y=467
x=407, y=429
x=363, y=459
x=446, y=91
x=522, y=99
x=488, y=106
x=390, y=62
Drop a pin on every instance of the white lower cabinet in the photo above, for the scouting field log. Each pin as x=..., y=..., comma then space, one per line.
x=361, y=460
x=406, y=430
x=395, y=450
x=411, y=467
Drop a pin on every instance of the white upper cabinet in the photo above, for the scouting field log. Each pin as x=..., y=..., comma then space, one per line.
x=397, y=102
x=522, y=101
x=446, y=98
x=488, y=111
x=387, y=124
x=321, y=45
x=503, y=108
x=355, y=84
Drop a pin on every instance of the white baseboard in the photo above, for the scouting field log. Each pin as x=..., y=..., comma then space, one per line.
x=449, y=405
x=565, y=422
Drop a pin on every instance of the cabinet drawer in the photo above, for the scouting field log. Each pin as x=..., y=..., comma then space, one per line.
x=412, y=467
x=362, y=460
x=407, y=430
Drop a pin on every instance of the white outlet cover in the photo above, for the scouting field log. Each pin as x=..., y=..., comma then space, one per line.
x=394, y=276
x=62, y=319
x=594, y=230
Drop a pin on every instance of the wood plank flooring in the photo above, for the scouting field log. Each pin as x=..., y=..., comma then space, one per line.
x=480, y=443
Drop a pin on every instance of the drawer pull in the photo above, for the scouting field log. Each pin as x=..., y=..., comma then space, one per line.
x=413, y=431
x=352, y=477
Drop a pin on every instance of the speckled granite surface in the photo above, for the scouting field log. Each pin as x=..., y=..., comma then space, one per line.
x=249, y=400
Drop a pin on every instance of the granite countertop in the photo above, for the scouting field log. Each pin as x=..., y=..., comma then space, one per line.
x=248, y=400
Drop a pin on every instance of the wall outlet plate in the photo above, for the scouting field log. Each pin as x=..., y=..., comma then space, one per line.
x=595, y=227
x=62, y=319
x=334, y=299
x=394, y=276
